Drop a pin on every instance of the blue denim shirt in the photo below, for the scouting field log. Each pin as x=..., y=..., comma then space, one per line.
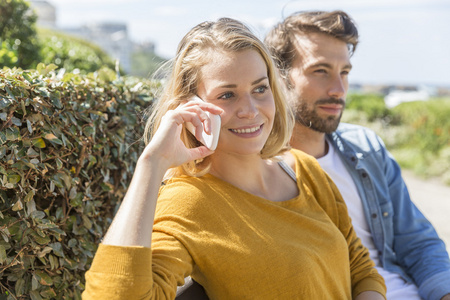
x=406, y=241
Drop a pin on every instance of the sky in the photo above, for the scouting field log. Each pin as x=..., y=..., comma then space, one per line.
x=401, y=41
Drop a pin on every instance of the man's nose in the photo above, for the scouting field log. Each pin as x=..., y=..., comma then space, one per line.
x=338, y=88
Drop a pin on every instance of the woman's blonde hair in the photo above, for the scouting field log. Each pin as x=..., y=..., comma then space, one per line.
x=227, y=35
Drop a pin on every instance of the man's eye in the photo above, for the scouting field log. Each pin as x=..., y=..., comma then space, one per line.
x=261, y=89
x=320, y=71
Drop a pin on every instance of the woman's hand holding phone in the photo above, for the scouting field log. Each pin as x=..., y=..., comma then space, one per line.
x=166, y=145
x=209, y=140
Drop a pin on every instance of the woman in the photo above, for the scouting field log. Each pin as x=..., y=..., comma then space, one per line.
x=232, y=218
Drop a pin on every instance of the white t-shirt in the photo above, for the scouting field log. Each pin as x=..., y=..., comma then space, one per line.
x=397, y=287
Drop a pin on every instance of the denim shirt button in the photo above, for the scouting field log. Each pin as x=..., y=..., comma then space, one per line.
x=385, y=214
x=364, y=175
x=353, y=158
x=374, y=216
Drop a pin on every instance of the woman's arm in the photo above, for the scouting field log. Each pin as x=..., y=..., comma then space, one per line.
x=122, y=266
x=133, y=223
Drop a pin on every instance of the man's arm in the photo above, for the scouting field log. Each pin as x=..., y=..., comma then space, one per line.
x=418, y=248
x=370, y=295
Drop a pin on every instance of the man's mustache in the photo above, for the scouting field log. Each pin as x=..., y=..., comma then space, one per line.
x=331, y=101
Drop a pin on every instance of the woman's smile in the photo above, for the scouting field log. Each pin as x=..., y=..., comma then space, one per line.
x=247, y=131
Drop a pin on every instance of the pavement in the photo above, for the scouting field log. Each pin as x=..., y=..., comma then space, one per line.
x=432, y=198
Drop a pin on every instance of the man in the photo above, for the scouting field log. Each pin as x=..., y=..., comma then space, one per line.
x=313, y=51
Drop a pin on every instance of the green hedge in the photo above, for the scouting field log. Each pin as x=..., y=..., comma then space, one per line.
x=68, y=147
x=430, y=122
x=426, y=148
x=371, y=104
x=417, y=133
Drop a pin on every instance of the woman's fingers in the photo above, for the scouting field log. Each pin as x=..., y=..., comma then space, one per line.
x=200, y=108
x=167, y=143
x=200, y=152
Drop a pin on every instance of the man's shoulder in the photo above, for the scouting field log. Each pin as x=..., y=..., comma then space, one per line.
x=349, y=129
x=358, y=136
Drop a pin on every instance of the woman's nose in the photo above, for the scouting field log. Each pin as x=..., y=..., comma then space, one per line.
x=247, y=107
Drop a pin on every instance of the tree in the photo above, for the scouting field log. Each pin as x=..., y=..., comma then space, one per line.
x=145, y=63
x=70, y=52
x=19, y=44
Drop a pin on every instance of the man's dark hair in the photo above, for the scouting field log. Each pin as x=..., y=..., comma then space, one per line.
x=281, y=39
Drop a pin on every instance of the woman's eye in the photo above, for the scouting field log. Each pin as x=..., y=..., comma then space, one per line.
x=227, y=95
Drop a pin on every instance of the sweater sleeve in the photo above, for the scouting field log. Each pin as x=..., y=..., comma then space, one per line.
x=117, y=272
x=131, y=273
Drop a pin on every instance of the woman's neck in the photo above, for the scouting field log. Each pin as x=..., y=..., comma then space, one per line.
x=257, y=176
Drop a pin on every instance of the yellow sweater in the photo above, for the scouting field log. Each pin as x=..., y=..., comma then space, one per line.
x=240, y=246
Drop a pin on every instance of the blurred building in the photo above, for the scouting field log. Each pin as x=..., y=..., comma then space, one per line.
x=112, y=37
x=46, y=13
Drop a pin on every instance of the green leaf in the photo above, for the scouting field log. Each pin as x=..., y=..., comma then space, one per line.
x=44, y=251
x=77, y=201
x=39, y=239
x=86, y=222
x=56, y=101
x=38, y=214
x=2, y=254
x=20, y=287
x=16, y=121
x=72, y=243
x=29, y=126
x=13, y=178
x=10, y=93
x=5, y=234
x=59, y=163
x=34, y=282
x=29, y=197
x=32, y=153
x=52, y=138
x=18, y=206
x=3, y=138
x=12, y=133
x=35, y=295
x=57, y=249
x=45, y=279
x=39, y=142
x=53, y=262
x=48, y=293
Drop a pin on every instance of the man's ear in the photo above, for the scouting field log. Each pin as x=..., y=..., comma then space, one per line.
x=286, y=77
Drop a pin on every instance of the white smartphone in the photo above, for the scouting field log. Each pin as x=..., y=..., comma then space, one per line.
x=209, y=140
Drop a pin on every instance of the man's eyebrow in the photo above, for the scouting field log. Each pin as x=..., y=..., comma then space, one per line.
x=328, y=66
x=259, y=80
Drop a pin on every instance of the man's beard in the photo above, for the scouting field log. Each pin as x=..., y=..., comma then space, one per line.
x=310, y=118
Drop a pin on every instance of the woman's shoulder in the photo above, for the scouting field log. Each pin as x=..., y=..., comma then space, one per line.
x=300, y=158
x=187, y=191
x=184, y=185
x=306, y=166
